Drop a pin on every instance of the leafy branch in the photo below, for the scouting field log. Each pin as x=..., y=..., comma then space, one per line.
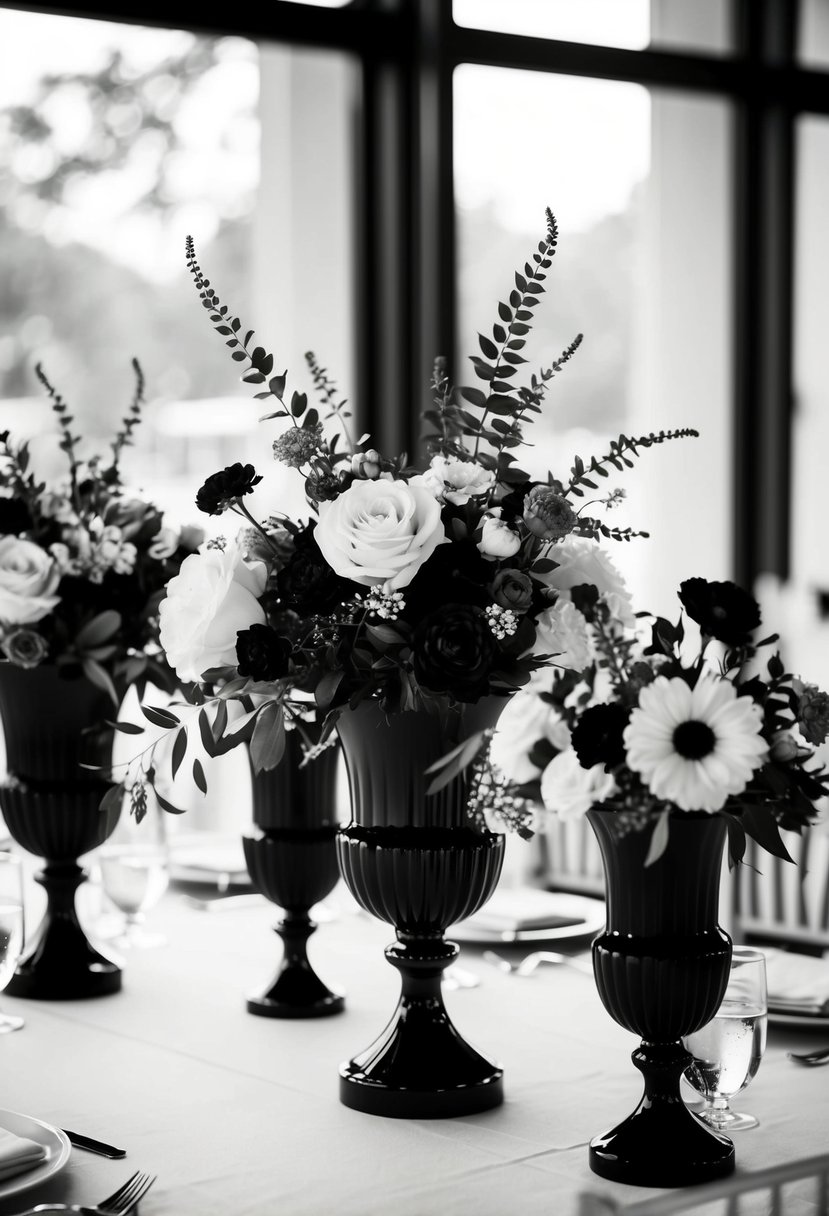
x=501, y=358
x=68, y=441
x=326, y=388
x=261, y=362
x=618, y=457
x=446, y=417
x=132, y=418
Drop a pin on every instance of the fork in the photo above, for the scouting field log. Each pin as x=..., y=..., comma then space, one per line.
x=812, y=1058
x=528, y=965
x=116, y=1204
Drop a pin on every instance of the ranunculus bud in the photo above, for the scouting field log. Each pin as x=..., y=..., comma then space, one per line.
x=512, y=589
x=497, y=538
x=367, y=464
x=24, y=647
x=783, y=748
x=548, y=515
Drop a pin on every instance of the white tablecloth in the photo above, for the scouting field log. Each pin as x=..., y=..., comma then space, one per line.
x=239, y=1115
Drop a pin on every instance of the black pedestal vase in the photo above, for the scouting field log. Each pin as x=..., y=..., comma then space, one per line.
x=291, y=857
x=51, y=808
x=413, y=860
x=661, y=968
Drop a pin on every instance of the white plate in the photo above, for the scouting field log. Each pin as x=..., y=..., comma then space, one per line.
x=53, y=1139
x=800, y=1021
x=586, y=916
x=209, y=859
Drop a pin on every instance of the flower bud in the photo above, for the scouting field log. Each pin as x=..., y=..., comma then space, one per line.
x=367, y=464
x=497, y=538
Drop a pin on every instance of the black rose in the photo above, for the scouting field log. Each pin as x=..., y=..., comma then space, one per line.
x=306, y=583
x=262, y=653
x=453, y=651
x=222, y=489
x=597, y=738
x=14, y=516
x=456, y=573
x=512, y=589
x=722, y=610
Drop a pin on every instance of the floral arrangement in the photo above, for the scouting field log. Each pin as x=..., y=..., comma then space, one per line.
x=421, y=588
x=84, y=563
x=651, y=724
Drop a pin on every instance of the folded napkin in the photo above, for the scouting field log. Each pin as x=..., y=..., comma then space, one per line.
x=18, y=1154
x=797, y=981
x=515, y=908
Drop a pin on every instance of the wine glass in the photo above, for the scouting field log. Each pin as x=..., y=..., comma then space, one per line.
x=11, y=928
x=133, y=867
x=728, y=1050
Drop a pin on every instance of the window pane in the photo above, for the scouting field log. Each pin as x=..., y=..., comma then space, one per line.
x=639, y=185
x=813, y=33
x=635, y=24
x=805, y=599
x=117, y=142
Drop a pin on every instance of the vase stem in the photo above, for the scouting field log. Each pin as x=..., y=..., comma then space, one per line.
x=420, y=1067
x=296, y=990
x=61, y=964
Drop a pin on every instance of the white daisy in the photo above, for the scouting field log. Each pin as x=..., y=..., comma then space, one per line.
x=695, y=746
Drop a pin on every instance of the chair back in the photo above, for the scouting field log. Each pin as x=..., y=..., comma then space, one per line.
x=783, y=904
x=776, y=1191
x=570, y=858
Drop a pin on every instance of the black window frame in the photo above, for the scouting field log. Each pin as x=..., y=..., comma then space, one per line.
x=406, y=297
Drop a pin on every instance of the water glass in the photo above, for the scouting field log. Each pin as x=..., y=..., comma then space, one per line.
x=728, y=1050
x=133, y=867
x=11, y=928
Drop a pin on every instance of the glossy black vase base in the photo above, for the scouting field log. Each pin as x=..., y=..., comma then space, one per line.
x=662, y=1144
x=420, y=1067
x=296, y=992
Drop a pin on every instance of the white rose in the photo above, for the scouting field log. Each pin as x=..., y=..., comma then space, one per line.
x=570, y=790
x=380, y=532
x=497, y=538
x=585, y=561
x=562, y=631
x=29, y=576
x=214, y=595
x=452, y=480
x=525, y=720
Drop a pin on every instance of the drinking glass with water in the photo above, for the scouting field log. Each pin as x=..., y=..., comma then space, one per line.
x=727, y=1052
x=133, y=867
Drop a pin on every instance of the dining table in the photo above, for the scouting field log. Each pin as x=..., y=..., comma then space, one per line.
x=239, y=1115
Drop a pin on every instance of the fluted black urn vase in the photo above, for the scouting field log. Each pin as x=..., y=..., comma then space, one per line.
x=291, y=857
x=661, y=968
x=51, y=806
x=413, y=860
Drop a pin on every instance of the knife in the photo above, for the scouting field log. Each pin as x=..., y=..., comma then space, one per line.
x=94, y=1146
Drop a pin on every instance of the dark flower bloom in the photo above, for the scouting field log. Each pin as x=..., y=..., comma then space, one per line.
x=221, y=489
x=262, y=653
x=548, y=514
x=456, y=574
x=325, y=487
x=512, y=589
x=14, y=516
x=25, y=647
x=307, y=583
x=813, y=713
x=722, y=610
x=597, y=738
x=453, y=651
